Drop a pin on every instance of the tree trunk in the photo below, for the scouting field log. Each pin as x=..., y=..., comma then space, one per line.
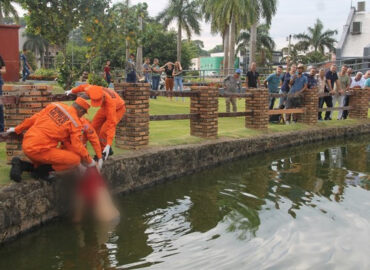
x=179, y=40
x=232, y=46
x=127, y=50
x=47, y=60
x=253, y=43
x=1, y=15
x=139, y=53
x=226, y=49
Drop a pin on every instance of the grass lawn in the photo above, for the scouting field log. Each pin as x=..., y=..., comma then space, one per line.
x=165, y=133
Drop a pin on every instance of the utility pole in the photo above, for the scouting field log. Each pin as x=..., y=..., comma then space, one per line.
x=289, y=49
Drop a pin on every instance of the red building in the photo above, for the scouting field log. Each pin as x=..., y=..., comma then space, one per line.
x=9, y=51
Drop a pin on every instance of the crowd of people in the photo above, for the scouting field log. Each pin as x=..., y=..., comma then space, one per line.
x=151, y=73
x=294, y=81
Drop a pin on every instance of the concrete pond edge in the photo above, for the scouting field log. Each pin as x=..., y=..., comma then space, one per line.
x=27, y=205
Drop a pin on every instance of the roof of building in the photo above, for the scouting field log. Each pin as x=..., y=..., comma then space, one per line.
x=352, y=45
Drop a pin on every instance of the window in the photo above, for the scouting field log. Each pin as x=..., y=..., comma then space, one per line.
x=356, y=28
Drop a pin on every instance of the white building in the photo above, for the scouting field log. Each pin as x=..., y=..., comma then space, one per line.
x=355, y=40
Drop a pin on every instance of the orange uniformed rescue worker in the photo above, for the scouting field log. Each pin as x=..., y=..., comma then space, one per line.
x=56, y=123
x=89, y=134
x=112, y=109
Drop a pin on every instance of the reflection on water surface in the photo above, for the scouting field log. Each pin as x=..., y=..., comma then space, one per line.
x=303, y=208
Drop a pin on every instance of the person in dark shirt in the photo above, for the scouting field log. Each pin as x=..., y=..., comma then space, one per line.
x=285, y=86
x=168, y=70
x=2, y=71
x=107, y=75
x=331, y=79
x=26, y=68
x=311, y=78
x=252, y=78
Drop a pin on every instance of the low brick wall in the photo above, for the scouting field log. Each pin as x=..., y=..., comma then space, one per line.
x=31, y=203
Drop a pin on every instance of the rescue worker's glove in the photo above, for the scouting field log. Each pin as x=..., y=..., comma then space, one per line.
x=106, y=152
x=100, y=164
x=92, y=164
x=10, y=130
x=68, y=92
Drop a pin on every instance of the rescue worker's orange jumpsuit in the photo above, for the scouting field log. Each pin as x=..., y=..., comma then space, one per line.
x=108, y=116
x=88, y=134
x=54, y=124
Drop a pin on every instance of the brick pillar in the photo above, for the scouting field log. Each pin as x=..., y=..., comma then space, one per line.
x=32, y=99
x=206, y=105
x=310, y=103
x=133, y=130
x=258, y=102
x=359, y=101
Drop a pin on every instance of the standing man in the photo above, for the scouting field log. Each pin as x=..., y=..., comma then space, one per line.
x=26, y=68
x=131, y=69
x=2, y=71
x=232, y=86
x=107, y=75
x=112, y=109
x=340, y=93
x=298, y=85
x=331, y=79
x=272, y=82
x=252, y=78
x=146, y=69
x=156, y=75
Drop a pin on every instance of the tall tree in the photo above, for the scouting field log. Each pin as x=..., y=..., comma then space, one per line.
x=7, y=9
x=259, y=9
x=142, y=13
x=228, y=17
x=37, y=44
x=265, y=44
x=187, y=14
x=317, y=38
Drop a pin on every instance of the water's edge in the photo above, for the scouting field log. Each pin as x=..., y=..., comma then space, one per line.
x=32, y=203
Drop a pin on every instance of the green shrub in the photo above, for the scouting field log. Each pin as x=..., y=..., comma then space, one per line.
x=46, y=72
x=96, y=79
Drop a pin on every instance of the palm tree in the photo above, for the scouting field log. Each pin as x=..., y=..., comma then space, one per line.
x=7, y=9
x=37, y=44
x=316, y=38
x=187, y=14
x=227, y=18
x=141, y=12
x=259, y=9
x=265, y=44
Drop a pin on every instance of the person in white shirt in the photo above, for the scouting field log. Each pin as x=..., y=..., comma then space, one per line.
x=358, y=82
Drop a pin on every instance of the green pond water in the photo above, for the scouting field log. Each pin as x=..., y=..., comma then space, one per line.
x=302, y=208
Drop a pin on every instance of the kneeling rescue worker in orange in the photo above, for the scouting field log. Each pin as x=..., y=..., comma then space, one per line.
x=53, y=125
x=112, y=109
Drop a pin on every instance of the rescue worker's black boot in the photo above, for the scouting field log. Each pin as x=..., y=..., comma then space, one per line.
x=43, y=172
x=16, y=170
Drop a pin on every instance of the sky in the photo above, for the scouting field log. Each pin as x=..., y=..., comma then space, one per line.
x=292, y=17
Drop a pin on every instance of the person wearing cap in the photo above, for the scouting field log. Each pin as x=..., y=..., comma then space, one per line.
x=55, y=124
x=298, y=84
x=232, y=86
x=112, y=109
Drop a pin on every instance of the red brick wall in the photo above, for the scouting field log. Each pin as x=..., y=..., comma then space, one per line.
x=9, y=51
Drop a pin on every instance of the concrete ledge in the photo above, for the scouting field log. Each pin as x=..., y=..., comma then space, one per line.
x=31, y=203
